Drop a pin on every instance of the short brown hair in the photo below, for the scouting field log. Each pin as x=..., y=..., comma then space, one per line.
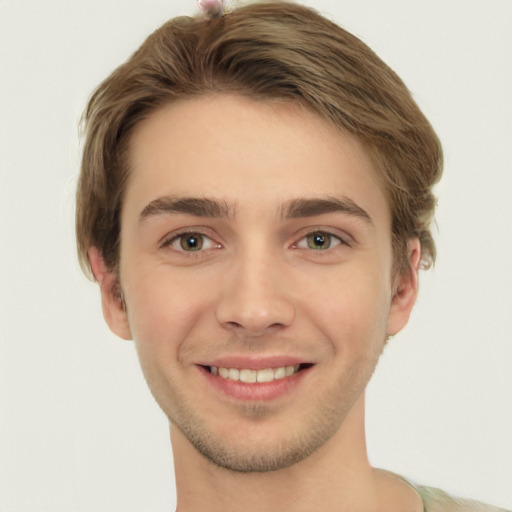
x=268, y=50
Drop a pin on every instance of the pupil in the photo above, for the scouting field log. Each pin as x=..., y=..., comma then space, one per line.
x=319, y=241
x=191, y=242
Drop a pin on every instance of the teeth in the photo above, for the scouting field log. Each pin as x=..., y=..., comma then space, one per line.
x=233, y=374
x=265, y=375
x=251, y=376
x=248, y=375
x=289, y=370
x=280, y=373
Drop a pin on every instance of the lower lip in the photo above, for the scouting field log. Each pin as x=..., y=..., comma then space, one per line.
x=256, y=391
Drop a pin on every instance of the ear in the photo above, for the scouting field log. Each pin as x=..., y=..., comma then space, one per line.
x=112, y=302
x=405, y=291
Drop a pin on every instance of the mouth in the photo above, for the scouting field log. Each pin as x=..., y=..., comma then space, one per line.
x=252, y=376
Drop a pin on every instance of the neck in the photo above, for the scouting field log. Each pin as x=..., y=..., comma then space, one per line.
x=336, y=477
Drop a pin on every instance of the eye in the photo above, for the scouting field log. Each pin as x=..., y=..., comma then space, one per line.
x=319, y=241
x=190, y=242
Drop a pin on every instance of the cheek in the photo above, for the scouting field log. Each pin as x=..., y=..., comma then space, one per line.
x=163, y=309
x=354, y=308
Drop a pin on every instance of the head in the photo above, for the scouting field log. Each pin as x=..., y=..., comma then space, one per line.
x=256, y=194
x=265, y=51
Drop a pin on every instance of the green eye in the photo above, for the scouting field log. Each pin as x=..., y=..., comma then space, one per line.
x=319, y=240
x=191, y=242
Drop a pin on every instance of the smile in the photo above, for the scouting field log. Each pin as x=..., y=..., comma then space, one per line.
x=243, y=379
x=249, y=376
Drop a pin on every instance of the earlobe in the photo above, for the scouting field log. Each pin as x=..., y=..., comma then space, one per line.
x=112, y=301
x=405, y=291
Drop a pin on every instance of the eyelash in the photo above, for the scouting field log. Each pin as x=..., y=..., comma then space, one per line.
x=323, y=234
x=179, y=238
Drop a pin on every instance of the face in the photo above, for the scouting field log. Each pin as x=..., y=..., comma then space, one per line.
x=255, y=265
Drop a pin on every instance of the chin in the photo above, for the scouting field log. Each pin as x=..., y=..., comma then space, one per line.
x=251, y=456
x=261, y=441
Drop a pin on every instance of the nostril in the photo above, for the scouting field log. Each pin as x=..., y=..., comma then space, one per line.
x=254, y=315
x=233, y=325
x=252, y=329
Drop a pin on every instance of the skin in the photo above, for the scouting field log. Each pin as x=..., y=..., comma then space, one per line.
x=260, y=287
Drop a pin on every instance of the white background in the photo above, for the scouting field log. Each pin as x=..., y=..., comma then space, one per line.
x=78, y=429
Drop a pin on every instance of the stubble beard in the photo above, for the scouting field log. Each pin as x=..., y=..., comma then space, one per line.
x=318, y=425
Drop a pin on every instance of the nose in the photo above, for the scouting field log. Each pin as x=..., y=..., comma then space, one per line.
x=256, y=298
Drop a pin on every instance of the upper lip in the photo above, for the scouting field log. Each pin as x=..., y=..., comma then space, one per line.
x=255, y=362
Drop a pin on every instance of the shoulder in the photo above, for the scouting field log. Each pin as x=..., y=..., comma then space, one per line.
x=436, y=500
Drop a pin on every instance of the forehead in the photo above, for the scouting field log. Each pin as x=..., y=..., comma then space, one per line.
x=248, y=153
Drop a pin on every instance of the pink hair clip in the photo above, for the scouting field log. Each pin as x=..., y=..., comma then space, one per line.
x=212, y=8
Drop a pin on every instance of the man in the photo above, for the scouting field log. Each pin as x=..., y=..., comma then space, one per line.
x=255, y=203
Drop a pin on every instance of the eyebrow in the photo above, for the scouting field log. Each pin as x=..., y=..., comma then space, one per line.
x=213, y=208
x=318, y=206
x=199, y=207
